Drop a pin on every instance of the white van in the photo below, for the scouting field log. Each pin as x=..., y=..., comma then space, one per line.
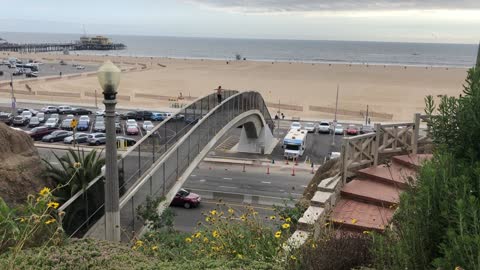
x=294, y=143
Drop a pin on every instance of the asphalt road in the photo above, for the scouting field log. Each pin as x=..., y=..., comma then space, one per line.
x=48, y=69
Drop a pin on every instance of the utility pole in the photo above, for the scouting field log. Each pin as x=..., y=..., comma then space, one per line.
x=278, y=119
x=366, y=117
x=12, y=94
x=335, y=120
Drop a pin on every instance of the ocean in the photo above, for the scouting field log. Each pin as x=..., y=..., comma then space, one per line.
x=309, y=51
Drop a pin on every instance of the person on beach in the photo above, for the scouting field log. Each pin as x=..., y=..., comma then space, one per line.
x=219, y=94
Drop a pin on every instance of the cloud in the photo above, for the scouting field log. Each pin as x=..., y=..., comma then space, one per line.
x=260, y=6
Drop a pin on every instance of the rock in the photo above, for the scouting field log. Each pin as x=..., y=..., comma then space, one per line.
x=21, y=168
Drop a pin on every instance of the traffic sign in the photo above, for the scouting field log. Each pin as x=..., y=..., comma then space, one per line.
x=74, y=123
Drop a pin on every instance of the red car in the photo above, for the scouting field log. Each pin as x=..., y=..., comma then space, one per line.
x=39, y=132
x=186, y=199
x=132, y=130
x=352, y=130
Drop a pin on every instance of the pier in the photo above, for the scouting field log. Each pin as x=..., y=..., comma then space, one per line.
x=53, y=47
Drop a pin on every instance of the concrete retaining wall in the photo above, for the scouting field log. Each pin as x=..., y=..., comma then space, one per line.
x=58, y=94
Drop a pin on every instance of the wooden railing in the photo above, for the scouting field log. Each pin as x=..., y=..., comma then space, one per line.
x=364, y=150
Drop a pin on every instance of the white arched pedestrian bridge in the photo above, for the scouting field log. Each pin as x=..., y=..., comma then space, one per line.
x=159, y=164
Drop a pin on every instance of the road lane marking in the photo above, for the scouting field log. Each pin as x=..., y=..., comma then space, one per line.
x=281, y=190
x=192, y=175
x=202, y=180
x=238, y=205
x=227, y=178
x=265, y=182
x=226, y=187
x=304, y=186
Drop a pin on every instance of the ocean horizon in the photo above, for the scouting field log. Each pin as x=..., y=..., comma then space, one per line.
x=308, y=51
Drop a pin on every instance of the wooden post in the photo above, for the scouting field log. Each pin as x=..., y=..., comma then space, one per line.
x=416, y=130
x=377, y=144
x=344, y=155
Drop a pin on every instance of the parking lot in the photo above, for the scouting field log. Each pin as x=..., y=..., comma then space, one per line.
x=47, y=69
x=122, y=132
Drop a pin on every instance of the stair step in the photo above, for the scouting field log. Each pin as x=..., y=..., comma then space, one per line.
x=371, y=192
x=321, y=199
x=329, y=184
x=310, y=216
x=393, y=174
x=360, y=216
x=411, y=161
x=297, y=239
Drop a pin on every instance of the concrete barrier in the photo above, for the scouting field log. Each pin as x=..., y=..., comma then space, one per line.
x=58, y=94
x=151, y=96
x=360, y=113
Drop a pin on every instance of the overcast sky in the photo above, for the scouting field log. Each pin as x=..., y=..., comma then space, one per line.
x=453, y=21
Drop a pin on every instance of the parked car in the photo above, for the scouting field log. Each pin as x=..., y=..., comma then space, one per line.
x=31, y=74
x=189, y=119
x=352, y=130
x=27, y=114
x=52, y=122
x=158, y=116
x=338, y=129
x=366, y=129
x=80, y=67
x=310, y=127
x=20, y=120
x=79, y=138
x=84, y=118
x=81, y=111
x=96, y=139
x=55, y=115
x=147, y=125
x=66, y=124
x=69, y=116
x=57, y=136
x=39, y=132
x=83, y=125
x=128, y=141
x=32, y=111
x=324, y=127
x=99, y=118
x=138, y=115
x=131, y=122
x=296, y=125
x=65, y=109
x=186, y=199
x=41, y=117
x=129, y=115
x=6, y=118
x=102, y=113
x=99, y=127
x=34, y=122
x=132, y=130
x=50, y=109
x=118, y=127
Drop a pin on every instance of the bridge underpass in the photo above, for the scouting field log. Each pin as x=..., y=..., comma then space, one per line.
x=159, y=164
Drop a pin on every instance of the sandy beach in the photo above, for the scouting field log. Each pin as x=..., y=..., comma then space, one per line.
x=305, y=90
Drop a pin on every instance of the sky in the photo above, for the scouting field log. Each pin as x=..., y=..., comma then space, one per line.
x=442, y=21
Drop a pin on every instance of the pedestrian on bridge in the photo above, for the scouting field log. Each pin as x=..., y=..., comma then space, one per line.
x=219, y=94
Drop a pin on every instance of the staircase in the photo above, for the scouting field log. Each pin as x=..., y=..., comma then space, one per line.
x=367, y=203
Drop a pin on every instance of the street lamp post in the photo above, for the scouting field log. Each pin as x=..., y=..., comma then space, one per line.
x=335, y=120
x=109, y=78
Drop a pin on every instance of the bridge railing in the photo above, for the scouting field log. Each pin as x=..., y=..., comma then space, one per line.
x=364, y=150
x=86, y=207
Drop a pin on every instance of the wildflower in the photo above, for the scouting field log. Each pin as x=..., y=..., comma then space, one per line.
x=50, y=221
x=45, y=191
x=326, y=224
x=255, y=213
x=272, y=217
x=139, y=243
x=213, y=212
x=366, y=232
x=205, y=240
x=354, y=220
x=243, y=217
x=241, y=236
x=458, y=268
x=22, y=219
x=215, y=234
x=288, y=220
x=240, y=256
x=215, y=249
x=278, y=234
x=207, y=219
x=53, y=205
x=77, y=165
x=154, y=248
x=188, y=240
x=293, y=258
x=231, y=211
x=197, y=234
x=252, y=246
x=314, y=245
x=286, y=226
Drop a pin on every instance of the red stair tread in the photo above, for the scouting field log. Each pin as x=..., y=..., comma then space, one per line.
x=362, y=216
x=394, y=174
x=372, y=191
x=414, y=161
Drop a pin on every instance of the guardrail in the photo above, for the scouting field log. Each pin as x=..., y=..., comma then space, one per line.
x=364, y=150
x=84, y=208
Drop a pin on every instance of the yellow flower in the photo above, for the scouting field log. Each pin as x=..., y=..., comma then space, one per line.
x=458, y=268
x=215, y=249
x=207, y=219
x=278, y=234
x=154, y=248
x=213, y=212
x=197, y=235
x=188, y=240
x=241, y=236
x=288, y=220
x=286, y=226
x=252, y=246
x=139, y=243
x=205, y=240
x=77, y=165
x=231, y=211
x=54, y=205
x=22, y=219
x=215, y=234
x=240, y=256
x=50, y=221
x=314, y=245
x=354, y=220
x=366, y=232
x=254, y=213
x=45, y=191
x=243, y=217
x=272, y=217
x=293, y=258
